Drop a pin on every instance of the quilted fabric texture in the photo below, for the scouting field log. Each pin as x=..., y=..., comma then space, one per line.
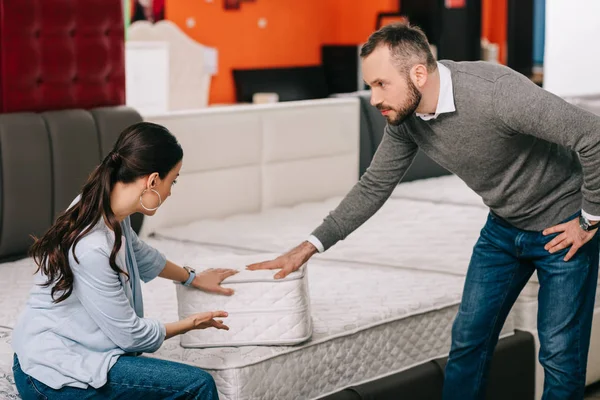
x=7, y=384
x=60, y=54
x=263, y=311
x=18, y=277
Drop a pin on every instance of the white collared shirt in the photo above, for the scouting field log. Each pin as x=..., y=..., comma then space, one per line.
x=445, y=103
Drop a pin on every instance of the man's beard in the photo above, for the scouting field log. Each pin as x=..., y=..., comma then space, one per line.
x=401, y=114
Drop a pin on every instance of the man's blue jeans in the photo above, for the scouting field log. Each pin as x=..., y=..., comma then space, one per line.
x=130, y=378
x=503, y=260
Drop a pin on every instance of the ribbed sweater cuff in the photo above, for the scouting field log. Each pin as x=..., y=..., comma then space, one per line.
x=590, y=208
x=327, y=234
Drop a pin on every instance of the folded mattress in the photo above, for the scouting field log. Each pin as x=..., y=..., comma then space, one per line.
x=263, y=310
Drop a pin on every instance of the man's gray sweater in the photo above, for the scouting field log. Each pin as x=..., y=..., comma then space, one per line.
x=531, y=156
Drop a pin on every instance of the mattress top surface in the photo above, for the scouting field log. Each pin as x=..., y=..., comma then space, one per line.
x=409, y=234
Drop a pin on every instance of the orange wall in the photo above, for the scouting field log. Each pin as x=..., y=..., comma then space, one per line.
x=493, y=24
x=294, y=32
x=293, y=35
x=352, y=21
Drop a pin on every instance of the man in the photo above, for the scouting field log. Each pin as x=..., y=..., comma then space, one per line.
x=535, y=161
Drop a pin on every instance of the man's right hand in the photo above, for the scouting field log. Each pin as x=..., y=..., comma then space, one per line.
x=288, y=262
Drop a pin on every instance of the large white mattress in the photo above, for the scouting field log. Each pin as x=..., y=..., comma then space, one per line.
x=369, y=322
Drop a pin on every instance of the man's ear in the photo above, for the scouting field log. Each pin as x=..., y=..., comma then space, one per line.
x=419, y=75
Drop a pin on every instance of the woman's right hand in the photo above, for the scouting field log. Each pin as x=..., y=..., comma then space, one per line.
x=196, y=321
x=207, y=320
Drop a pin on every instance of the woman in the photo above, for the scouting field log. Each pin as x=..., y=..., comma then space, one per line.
x=83, y=326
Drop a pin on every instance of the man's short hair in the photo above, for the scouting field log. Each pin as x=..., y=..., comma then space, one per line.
x=408, y=46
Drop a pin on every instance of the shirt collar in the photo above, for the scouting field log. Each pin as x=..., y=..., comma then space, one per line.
x=445, y=102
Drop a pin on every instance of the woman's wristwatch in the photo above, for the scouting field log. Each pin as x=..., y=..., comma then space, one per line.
x=190, y=279
x=586, y=225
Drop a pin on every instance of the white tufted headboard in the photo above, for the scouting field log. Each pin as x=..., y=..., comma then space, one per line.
x=191, y=65
x=246, y=158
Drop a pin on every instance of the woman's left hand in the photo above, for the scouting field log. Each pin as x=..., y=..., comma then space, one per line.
x=210, y=280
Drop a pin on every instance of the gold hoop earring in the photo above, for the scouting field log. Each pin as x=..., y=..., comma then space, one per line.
x=150, y=209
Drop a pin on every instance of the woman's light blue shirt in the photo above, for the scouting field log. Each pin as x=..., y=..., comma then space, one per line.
x=76, y=342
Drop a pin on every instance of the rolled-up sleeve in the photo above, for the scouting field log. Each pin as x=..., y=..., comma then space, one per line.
x=150, y=261
x=99, y=289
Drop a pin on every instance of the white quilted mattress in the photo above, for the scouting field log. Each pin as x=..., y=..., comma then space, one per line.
x=263, y=311
x=369, y=322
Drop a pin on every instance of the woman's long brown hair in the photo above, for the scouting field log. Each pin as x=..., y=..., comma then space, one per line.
x=141, y=150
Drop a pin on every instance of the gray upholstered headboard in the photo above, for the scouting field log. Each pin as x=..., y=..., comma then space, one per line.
x=44, y=160
x=372, y=124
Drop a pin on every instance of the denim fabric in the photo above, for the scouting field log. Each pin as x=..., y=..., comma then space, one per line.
x=503, y=260
x=130, y=378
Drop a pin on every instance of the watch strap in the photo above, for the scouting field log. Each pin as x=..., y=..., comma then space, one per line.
x=190, y=279
x=585, y=224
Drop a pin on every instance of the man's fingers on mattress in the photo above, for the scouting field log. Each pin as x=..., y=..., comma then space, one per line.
x=272, y=264
x=283, y=273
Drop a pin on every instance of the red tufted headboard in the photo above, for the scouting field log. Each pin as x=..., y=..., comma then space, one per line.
x=61, y=54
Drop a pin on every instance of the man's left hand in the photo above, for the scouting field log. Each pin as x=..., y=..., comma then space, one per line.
x=210, y=280
x=572, y=235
